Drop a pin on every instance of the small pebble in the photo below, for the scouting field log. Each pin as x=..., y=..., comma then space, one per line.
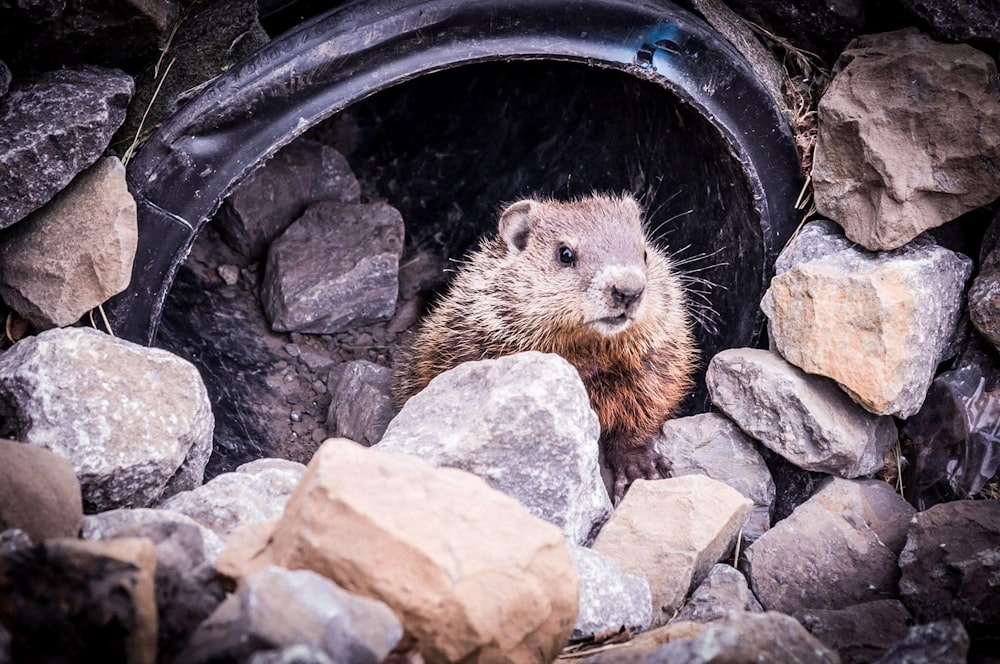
x=293, y=349
x=295, y=416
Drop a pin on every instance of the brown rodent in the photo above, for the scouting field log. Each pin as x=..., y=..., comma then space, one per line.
x=580, y=279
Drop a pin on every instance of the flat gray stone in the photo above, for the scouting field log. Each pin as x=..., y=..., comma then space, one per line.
x=804, y=418
x=723, y=591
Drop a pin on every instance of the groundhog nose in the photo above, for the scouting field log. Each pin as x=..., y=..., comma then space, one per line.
x=625, y=296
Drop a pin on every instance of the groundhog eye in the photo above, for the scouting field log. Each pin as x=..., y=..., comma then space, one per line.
x=645, y=256
x=566, y=256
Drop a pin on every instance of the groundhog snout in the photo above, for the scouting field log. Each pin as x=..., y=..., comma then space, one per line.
x=626, y=297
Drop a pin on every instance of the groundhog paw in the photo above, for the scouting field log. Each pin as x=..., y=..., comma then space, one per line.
x=632, y=463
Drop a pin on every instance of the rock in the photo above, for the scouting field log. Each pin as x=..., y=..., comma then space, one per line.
x=748, y=637
x=521, y=422
x=709, y=444
x=954, y=434
x=256, y=492
x=877, y=323
x=723, y=591
x=135, y=422
x=75, y=252
x=837, y=549
x=53, y=128
x=942, y=642
x=958, y=21
x=610, y=598
x=806, y=419
x=909, y=137
x=39, y=492
x=72, y=601
x=362, y=403
x=671, y=532
x=950, y=566
x=471, y=574
x=187, y=587
x=984, y=294
x=275, y=608
x=266, y=203
x=127, y=522
x=5, y=78
x=125, y=33
x=298, y=654
x=859, y=633
x=334, y=268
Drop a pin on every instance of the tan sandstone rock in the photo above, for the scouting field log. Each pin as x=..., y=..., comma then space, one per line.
x=671, y=532
x=909, y=137
x=472, y=575
x=74, y=253
x=878, y=323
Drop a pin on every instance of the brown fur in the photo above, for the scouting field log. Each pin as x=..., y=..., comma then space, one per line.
x=514, y=294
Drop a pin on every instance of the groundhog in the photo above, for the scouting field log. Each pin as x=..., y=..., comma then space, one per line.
x=581, y=279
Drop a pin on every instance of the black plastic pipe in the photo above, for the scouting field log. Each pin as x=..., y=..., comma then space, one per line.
x=184, y=172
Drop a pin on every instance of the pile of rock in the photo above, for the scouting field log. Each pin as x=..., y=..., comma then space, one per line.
x=475, y=524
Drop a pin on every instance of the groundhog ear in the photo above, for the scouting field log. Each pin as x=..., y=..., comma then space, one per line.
x=515, y=225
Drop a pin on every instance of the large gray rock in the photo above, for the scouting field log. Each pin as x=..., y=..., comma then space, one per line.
x=39, y=492
x=836, y=549
x=709, y=444
x=276, y=607
x=135, y=422
x=75, y=252
x=951, y=566
x=334, y=268
x=723, y=591
x=255, y=492
x=53, y=128
x=877, y=323
x=362, y=406
x=806, y=419
x=906, y=130
x=267, y=202
x=671, y=532
x=521, y=422
x=610, y=597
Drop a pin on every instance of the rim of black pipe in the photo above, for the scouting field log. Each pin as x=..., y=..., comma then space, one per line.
x=188, y=167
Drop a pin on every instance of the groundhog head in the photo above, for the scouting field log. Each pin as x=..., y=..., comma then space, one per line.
x=582, y=264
